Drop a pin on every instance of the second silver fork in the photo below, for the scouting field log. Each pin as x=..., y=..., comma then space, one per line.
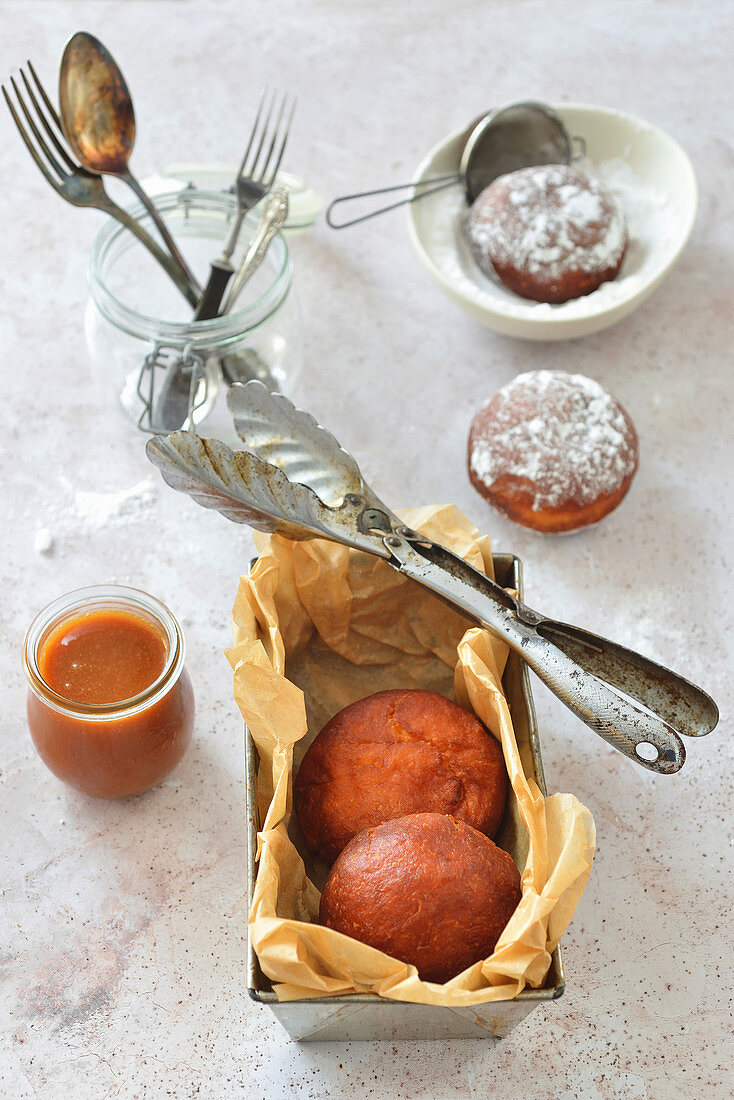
x=255, y=177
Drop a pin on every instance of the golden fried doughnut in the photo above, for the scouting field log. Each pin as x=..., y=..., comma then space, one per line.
x=426, y=889
x=394, y=753
x=553, y=451
x=550, y=232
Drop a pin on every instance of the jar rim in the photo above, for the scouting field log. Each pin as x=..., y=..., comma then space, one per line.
x=95, y=597
x=215, y=331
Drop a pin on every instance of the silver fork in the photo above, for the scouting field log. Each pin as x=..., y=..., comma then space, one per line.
x=255, y=177
x=74, y=183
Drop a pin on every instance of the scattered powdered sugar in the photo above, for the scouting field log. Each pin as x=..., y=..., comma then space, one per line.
x=115, y=509
x=547, y=220
x=43, y=542
x=653, y=240
x=561, y=432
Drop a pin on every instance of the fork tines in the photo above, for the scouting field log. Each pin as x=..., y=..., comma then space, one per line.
x=50, y=123
x=267, y=142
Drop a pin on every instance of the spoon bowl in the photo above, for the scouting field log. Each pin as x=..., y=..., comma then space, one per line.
x=96, y=106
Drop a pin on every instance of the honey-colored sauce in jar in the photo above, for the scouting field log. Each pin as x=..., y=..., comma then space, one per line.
x=110, y=705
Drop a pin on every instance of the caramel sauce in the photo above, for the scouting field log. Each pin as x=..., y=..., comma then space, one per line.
x=102, y=657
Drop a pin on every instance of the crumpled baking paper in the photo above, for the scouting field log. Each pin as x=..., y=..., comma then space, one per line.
x=318, y=626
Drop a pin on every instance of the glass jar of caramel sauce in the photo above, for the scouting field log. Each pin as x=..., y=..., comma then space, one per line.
x=110, y=705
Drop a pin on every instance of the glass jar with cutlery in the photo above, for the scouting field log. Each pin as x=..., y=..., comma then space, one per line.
x=159, y=367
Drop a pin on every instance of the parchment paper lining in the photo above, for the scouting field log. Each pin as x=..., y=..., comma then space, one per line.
x=345, y=624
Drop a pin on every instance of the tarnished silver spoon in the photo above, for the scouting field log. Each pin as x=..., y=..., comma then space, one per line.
x=98, y=120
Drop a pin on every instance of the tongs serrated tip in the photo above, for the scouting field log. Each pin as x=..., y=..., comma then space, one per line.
x=247, y=489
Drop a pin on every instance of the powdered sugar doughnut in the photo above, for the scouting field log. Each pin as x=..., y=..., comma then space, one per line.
x=549, y=232
x=553, y=451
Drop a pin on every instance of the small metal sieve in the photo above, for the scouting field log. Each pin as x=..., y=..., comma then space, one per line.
x=505, y=139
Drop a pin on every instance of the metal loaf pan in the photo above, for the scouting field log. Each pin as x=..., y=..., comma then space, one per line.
x=363, y=1016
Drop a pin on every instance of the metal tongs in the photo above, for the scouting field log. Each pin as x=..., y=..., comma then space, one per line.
x=295, y=479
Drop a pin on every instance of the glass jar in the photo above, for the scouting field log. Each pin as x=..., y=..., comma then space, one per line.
x=138, y=323
x=109, y=749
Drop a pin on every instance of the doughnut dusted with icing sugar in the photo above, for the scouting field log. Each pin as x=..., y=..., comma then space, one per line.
x=426, y=889
x=550, y=233
x=394, y=753
x=553, y=451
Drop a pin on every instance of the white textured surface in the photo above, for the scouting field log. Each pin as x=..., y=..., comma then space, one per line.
x=123, y=962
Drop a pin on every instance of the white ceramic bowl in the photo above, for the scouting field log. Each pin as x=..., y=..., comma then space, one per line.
x=652, y=178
